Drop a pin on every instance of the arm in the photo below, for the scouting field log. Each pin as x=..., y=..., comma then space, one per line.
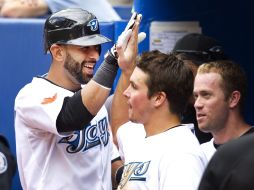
x=123, y=54
x=126, y=61
x=78, y=110
x=117, y=167
x=26, y=8
x=117, y=171
x=127, y=58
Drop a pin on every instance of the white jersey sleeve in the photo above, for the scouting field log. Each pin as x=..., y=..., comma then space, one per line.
x=48, y=160
x=208, y=149
x=33, y=101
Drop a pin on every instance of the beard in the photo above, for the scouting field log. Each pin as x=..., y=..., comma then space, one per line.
x=76, y=69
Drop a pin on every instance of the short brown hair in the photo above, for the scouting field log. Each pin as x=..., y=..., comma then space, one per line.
x=168, y=74
x=233, y=77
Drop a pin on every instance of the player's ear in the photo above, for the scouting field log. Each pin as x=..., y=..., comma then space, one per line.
x=234, y=99
x=58, y=52
x=159, y=98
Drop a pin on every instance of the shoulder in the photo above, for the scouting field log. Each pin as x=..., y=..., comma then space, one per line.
x=208, y=144
x=242, y=146
x=134, y=129
x=129, y=135
x=34, y=88
x=40, y=91
x=38, y=86
x=229, y=164
x=208, y=149
x=130, y=132
x=182, y=136
x=182, y=143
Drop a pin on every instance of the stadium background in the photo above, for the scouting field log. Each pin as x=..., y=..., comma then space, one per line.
x=21, y=48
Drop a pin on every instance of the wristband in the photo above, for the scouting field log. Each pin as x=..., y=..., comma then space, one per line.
x=107, y=71
x=111, y=57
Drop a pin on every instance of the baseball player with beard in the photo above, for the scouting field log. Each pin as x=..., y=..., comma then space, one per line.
x=62, y=132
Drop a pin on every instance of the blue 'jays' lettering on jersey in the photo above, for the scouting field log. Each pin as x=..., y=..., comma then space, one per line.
x=93, y=24
x=91, y=136
x=134, y=171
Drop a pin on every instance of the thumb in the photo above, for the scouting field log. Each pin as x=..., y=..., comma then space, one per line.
x=119, y=50
x=141, y=36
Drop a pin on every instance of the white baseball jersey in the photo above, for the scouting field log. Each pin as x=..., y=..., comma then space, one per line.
x=135, y=131
x=169, y=160
x=208, y=149
x=49, y=160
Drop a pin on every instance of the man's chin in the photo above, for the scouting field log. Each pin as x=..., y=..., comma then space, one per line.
x=134, y=120
x=87, y=79
x=204, y=129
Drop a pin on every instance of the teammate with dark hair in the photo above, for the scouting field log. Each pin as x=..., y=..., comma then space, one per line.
x=167, y=155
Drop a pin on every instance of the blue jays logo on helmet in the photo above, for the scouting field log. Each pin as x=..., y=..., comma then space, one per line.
x=93, y=24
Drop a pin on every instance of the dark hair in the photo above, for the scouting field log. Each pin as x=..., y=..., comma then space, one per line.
x=168, y=74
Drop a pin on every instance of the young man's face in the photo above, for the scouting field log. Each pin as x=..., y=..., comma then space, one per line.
x=80, y=62
x=139, y=104
x=211, y=107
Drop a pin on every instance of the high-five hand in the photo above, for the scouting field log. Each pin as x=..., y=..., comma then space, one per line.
x=127, y=44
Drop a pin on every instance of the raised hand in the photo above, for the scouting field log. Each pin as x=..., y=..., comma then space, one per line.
x=127, y=46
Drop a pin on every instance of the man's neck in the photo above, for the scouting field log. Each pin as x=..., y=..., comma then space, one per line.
x=59, y=77
x=160, y=123
x=230, y=132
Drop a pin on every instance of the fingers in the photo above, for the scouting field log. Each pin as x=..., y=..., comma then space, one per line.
x=138, y=20
x=131, y=22
x=141, y=36
x=124, y=38
x=120, y=51
x=129, y=39
x=136, y=25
